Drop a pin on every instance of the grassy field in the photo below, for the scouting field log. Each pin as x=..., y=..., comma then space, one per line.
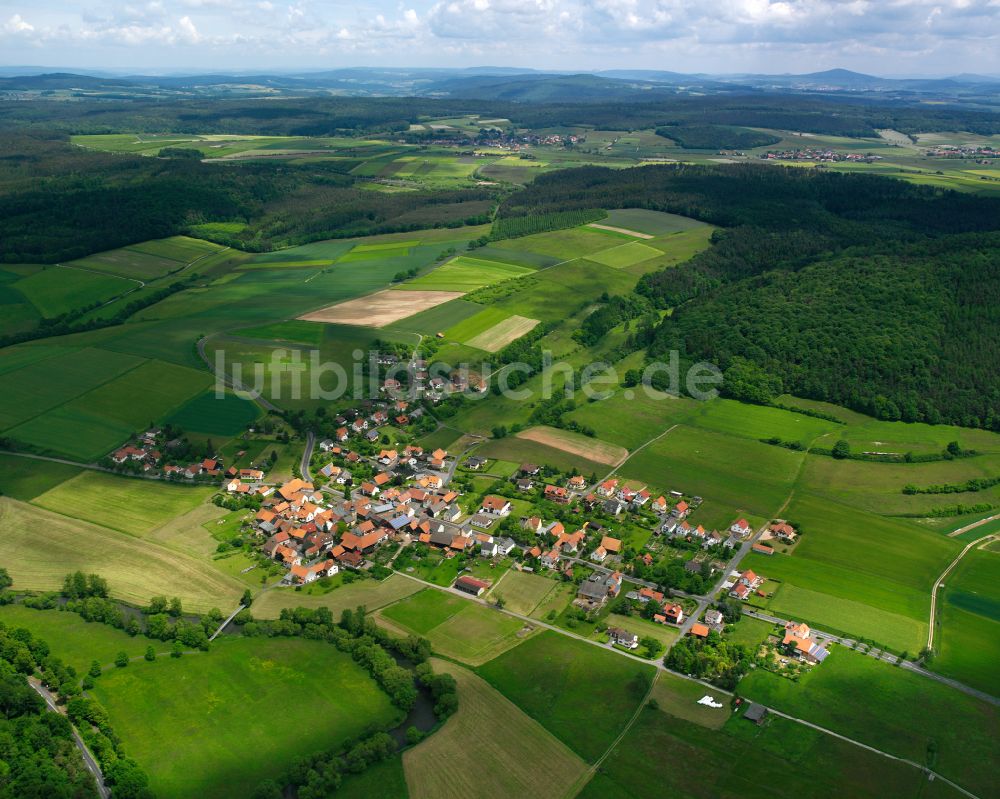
x=523, y=591
x=40, y=548
x=515, y=757
x=561, y=244
x=857, y=618
x=76, y=642
x=473, y=326
x=207, y=413
x=667, y=755
x=130, y=505
x=579, y=693
x=653, y=223
x=150, y=259
x=521, y=450
x=622, y=255
x=465, y=273
x=859, y=560
x=456, y=627
x=758, y=421
x=369, y=593
x=679, y=698
x=214, y=712
x=968, y=640
x=713, y=465
x=59, y=289
x=25, y=479
x=893, y=710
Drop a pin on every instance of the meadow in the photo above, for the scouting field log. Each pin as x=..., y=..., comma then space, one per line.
x=149, y=260
x=371, y=594
x=713, y=466
x=24, y=479
x=592, y=449
x=628, y=254
x=891, y=709
x=57, y=289
x=76, y=642
x=652, y=223
x=522, y=592
x=207, y=413
x=667, y=755
x=857, y=573
x=130, y=505
x=466, y=273
x=968, y=639
x=456, y=628
x=517, y=758
x=578, y=692
x=214, y=712
x=39, y=548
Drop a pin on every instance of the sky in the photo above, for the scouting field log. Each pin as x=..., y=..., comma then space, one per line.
x=884, y=37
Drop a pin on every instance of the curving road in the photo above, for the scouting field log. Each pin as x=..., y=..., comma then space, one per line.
x=307, y=454
x=939, y=583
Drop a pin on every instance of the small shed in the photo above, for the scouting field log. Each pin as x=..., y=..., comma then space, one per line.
x=755, y=713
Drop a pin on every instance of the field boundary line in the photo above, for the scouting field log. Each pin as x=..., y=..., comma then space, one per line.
x=939, y=582
x=639, y=449
x=589, y=774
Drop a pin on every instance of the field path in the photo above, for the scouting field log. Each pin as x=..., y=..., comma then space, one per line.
x=264, y=403
x=638, y=449
x=973, y=526
x=626, y=231
x=658, y=664
x=939, y=583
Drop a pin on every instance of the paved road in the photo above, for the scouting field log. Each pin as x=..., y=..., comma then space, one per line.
x=307, y=456
x=940, y=580
x=229, y=381
x=660, y=667
x=88, y=759
x=850, y=643
x=450, y=473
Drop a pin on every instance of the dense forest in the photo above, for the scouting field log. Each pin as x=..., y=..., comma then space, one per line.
x=844, y=116
x=56, y=201
x=716, y=137
x=855, y=289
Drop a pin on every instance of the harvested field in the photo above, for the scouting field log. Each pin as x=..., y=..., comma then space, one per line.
x=590, y=448
x=626, y=231
x=502, y=334
x=39, y=548
x=519, y=758
x=381, y=308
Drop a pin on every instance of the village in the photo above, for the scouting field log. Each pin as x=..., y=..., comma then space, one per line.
x=361, y=508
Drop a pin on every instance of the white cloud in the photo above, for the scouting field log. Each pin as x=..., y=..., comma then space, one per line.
x=17, y=24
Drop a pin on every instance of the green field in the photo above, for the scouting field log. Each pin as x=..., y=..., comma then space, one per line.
x=456, y=627
x=76, y=642
x=578, y=692
x=474, y=325
x=713, y=465
x=758, y=421
x=522, y=592
x=24, y=478
x=466, y=274
x=885, y=564
x=129, y=505
x=58, y=289
x=667, y=755
x=653, y=223
x=215, y=712
x=149, y=260
x=893, y=710
x=623, y=255
x=368, y=593
x=207, y=413
x=968, y=641
x=39, y=548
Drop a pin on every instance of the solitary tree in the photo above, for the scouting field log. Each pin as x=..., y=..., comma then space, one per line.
x=841, y=450
x=121, y=661
x=95, y=669
x=246, y=599
x=150, y=653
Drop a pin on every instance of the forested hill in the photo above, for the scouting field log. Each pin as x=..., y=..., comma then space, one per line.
x=859, y=290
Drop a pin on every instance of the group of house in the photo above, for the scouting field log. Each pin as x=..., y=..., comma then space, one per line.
x=422, y=384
